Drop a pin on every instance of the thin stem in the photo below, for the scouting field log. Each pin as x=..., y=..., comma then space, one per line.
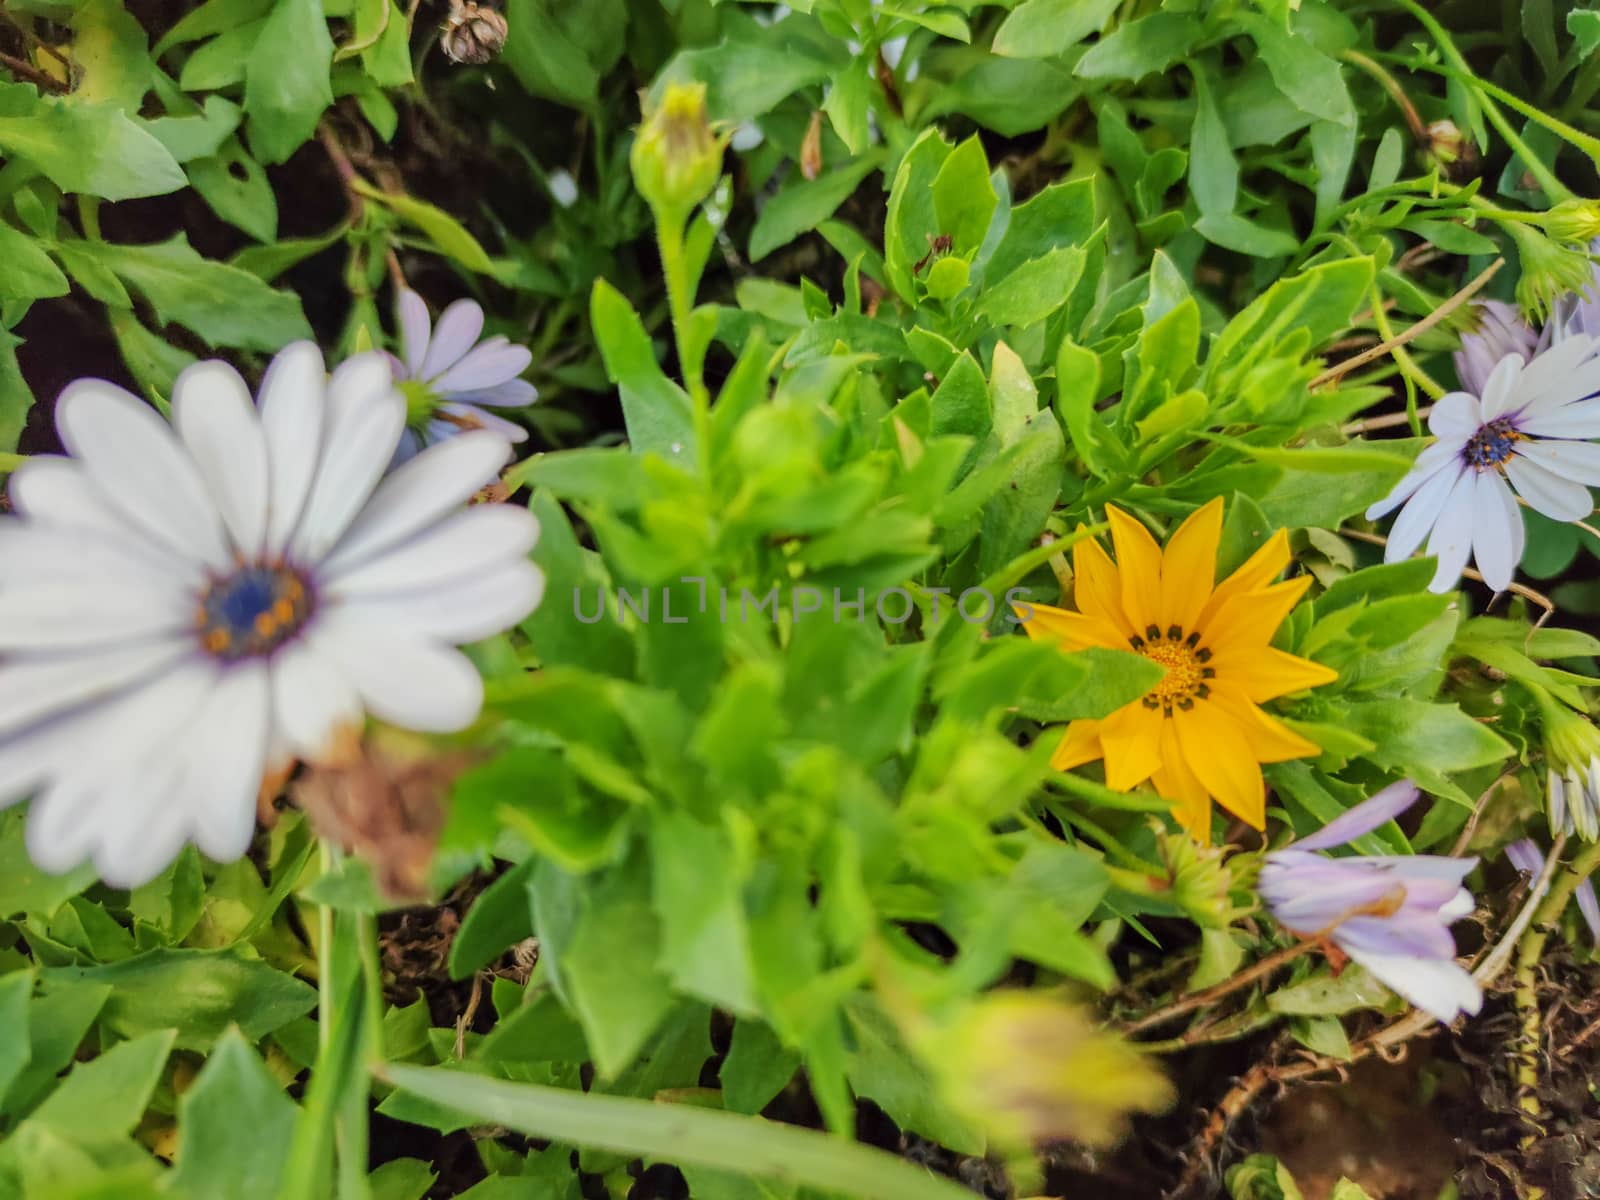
x=31, y=73
x=669, y=236
x=1257, y=971
x=1393, y=342
x=678, y=1133
x=1547, y=180
x=1391, y=85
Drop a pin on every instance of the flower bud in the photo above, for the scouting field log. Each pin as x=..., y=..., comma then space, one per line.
x=1572, y=780
x=1550, y=272
x=472, y=33
x=1446, y=146
x=1573, y=221
x=1033, y=1069
x=676, y=156
x=1199, y=879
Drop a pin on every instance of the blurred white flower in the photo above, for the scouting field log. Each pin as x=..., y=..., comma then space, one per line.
x=187, y=608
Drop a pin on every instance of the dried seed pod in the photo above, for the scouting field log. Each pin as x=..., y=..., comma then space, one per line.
x=473, y=33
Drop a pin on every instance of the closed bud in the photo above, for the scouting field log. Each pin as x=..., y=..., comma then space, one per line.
x=1550, y=272
x=1446, y=145
x=1572, y=760
x=1032, y=1069
x=677, y=157
x=473, y=33
x=1574, y=221
x=1200, y=880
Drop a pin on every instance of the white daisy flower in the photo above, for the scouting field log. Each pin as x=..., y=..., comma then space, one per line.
x=1521, y=434
x=185, y=609
x=449, y=378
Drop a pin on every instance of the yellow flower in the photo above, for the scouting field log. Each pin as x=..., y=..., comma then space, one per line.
x=1199, y=733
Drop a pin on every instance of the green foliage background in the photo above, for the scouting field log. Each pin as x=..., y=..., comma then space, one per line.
x=985, y=268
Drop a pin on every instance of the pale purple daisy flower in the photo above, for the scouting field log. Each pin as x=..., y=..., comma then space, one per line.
x=188, y=607
x=1390, y=913
x=1501, y=331
x=1578, y=313
x=450, y=379
x=1523, y=433
x=1526, y=857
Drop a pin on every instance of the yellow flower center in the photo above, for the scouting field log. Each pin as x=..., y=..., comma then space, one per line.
x=1185, y=659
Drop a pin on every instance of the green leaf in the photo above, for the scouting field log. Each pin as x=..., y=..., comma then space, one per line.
x=200, y=135
x=757, y=1068
x=94, y=149
x=964, y=197
x=679, y=1133
x=286, y=86
x=698, y=889
x=1142, y=47
x=546, y=61
x=1584, y=26
x=212, y=17
x=29, y=273
x=883, y=1070
x=15, y=401
x=247, y=203
x=56, y=1027
x=199, y=992
x=235, y=1125
x=16, y=991
x=443, y=230
x=110, y=47
x=1213, y=170
x=1328, y=995
x=23, y=887
x=1034, y=290
x=1310, y=79
x=498, y=919
x=910, y=223
x=802, y=206
x=848, y=105
x=655, y=410
x=401, y=1179
x=745, y=78
x=108, y=1094
x=221, y=303
x=152, y=360
x=1415, y=733
x=1045, y=28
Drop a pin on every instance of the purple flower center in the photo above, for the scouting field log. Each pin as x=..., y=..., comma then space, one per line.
x=1187, y=678
x=1491, y=445
x=253, y=611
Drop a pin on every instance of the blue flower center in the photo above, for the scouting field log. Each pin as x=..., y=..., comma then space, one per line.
x=253, y=611
x=1491, y=445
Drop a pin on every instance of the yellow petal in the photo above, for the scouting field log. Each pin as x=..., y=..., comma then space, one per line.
x=1251, y=618
x=1191, y=803
x=1260, y=569
x=1217, y=751
x=1139, y=564
x=1270, y=739
x=1069, y=630
x=1080, y=745
x=1097, y=585
x=1263, y=672
x=1189, y=566
x=1131, y=740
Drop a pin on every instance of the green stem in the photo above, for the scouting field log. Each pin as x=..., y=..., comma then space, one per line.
x=89, y=217
x=678, y=1133
x=669, y=235
x=1552, y=186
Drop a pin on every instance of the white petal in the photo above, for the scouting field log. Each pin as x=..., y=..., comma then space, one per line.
x=485, y=366
x=365, y=418
x=467, y=610
x=1497, y=535
x=1455, y=416
x=56, y=490
x=1557, y=498
x=468, y=542
x=34, y=551
x=140, y=469
x=34, y=688
x=1443, y=990
x=213, y=413
x=419, y=492
x=1419, y=515
x=409, y=683
x=143, y=828
x=293, y=410
x=59, y=615
x=412, y=317
x=1581, y=420
x=1451, y=542
x=312, y=703
x=1429, y=463
x=221, y=758
x=1501, y=389
x=1551, y=373
x=478, y=418
x=1577, y=461
x=458, y=328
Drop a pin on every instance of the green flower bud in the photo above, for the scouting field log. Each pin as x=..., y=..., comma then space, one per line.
x=1031, y=1068
x=1200, y=880
x=1572, y=781
x=677, y=157
x=1549, y=271
x=1446, y=145
x=1574, y=221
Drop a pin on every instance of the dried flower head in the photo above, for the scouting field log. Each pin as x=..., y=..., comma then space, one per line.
x=473, y=33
